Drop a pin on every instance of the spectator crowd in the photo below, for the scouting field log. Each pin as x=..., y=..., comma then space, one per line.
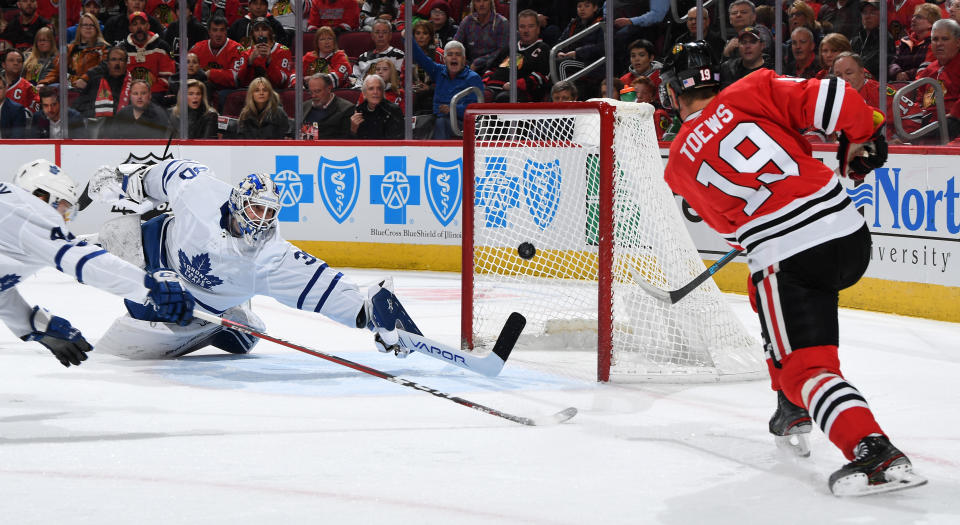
x=122, y=60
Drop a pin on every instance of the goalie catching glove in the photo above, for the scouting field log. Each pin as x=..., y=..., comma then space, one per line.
x=124, y=185
x=857, y=160
x=64, y=341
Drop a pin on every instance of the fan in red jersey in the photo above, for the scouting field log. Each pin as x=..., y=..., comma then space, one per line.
x=220, y=56
x=740, y=161
x=266, y=58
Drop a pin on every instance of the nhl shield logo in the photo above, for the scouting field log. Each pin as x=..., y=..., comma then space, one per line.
x=339, y=186
x=444, y=188
x=541, y=184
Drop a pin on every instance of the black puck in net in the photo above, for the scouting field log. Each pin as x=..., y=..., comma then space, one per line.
x=526, y=250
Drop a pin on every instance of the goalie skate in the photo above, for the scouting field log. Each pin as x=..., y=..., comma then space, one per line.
x=878, y=467
x=790, y=426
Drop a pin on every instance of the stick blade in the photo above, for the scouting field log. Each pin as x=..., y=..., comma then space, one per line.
x=554, y=419
x=508, y=336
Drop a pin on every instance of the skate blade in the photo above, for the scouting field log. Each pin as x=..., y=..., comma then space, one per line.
x=795, y=444
x=898, y=478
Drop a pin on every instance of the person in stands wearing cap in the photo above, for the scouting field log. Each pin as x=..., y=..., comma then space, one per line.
x=240, y=30
x=752, y=57
x=866, y=42
x=710, y=35
x=341, y=15
x=843, y=15
x=444, y=27
x=89, y=6
x=743, y=14
x=267, y=58
x=148, y=55
x=118, y=27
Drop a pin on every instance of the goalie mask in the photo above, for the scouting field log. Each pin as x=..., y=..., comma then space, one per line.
x=47, y=181
x=687, y=66
x=254, y=205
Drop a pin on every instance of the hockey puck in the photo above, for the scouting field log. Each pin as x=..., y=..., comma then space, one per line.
x=526, y=251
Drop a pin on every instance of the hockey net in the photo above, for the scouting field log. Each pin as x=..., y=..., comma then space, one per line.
x=583, y=184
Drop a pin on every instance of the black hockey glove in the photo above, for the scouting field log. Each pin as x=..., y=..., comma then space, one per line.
x=863, y=159
x=64, y=341
x=170, y=301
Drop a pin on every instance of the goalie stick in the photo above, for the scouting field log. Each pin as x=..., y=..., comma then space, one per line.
x=488, y=365
x=559, y=417
x=673, y=296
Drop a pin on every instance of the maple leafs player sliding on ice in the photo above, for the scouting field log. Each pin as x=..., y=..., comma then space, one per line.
x=223, y=242
x=33, y=234
x=740, y=162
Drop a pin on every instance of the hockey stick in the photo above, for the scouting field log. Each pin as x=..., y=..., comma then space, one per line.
x=673, y=296
x=559, y=417
x=488, y=365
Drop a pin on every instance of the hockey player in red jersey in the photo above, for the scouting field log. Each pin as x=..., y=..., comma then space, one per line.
x=740, y=162
x=220, y=56
x=267, y=58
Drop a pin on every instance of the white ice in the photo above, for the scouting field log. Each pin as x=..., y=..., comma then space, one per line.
x=281, y=435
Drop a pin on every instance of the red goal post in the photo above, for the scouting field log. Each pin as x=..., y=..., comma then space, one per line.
x=582, y=185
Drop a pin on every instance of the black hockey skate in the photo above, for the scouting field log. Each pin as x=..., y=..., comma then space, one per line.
x=790, y=426
x=879, y=467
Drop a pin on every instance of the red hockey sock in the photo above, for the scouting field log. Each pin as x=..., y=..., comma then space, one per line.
x=811, y=378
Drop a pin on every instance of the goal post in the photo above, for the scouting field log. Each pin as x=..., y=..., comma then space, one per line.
x=565, y=208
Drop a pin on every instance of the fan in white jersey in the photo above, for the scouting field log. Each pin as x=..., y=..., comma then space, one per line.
x=33, y=234
x=223, y=242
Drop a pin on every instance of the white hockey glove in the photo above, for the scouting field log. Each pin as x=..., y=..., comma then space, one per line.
x=122, y=185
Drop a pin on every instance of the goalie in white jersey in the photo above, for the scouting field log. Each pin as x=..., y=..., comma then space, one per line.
x=33, y=234
x=223, y=242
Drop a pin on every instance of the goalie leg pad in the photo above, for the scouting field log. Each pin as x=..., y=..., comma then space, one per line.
x=122, y=237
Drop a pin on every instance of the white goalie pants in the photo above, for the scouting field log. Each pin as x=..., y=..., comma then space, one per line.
x=135, y=339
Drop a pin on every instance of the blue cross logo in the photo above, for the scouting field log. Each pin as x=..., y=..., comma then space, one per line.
x=497, y=192
x=395, y=190
x=294, y=187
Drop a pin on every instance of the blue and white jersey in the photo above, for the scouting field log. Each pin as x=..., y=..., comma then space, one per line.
x=223, y=271
x=33, y=235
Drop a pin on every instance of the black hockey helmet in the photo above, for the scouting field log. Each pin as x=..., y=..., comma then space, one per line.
x=688, y=66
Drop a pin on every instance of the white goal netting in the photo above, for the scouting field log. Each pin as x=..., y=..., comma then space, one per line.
x=537, y=179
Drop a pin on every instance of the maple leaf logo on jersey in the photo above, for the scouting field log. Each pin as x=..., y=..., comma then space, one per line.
x=197, y=270
x=9, y=281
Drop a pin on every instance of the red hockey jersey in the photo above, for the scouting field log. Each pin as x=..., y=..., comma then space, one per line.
x=23, y=93
x=336, y=66
x=151, y=62
x=278, y=67
x=742, y=164
x=223, y=66
x=342, y=14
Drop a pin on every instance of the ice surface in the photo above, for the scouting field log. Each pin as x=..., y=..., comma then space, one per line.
x=279, y=435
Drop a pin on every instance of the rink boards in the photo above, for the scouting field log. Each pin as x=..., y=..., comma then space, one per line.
x=398, y=205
